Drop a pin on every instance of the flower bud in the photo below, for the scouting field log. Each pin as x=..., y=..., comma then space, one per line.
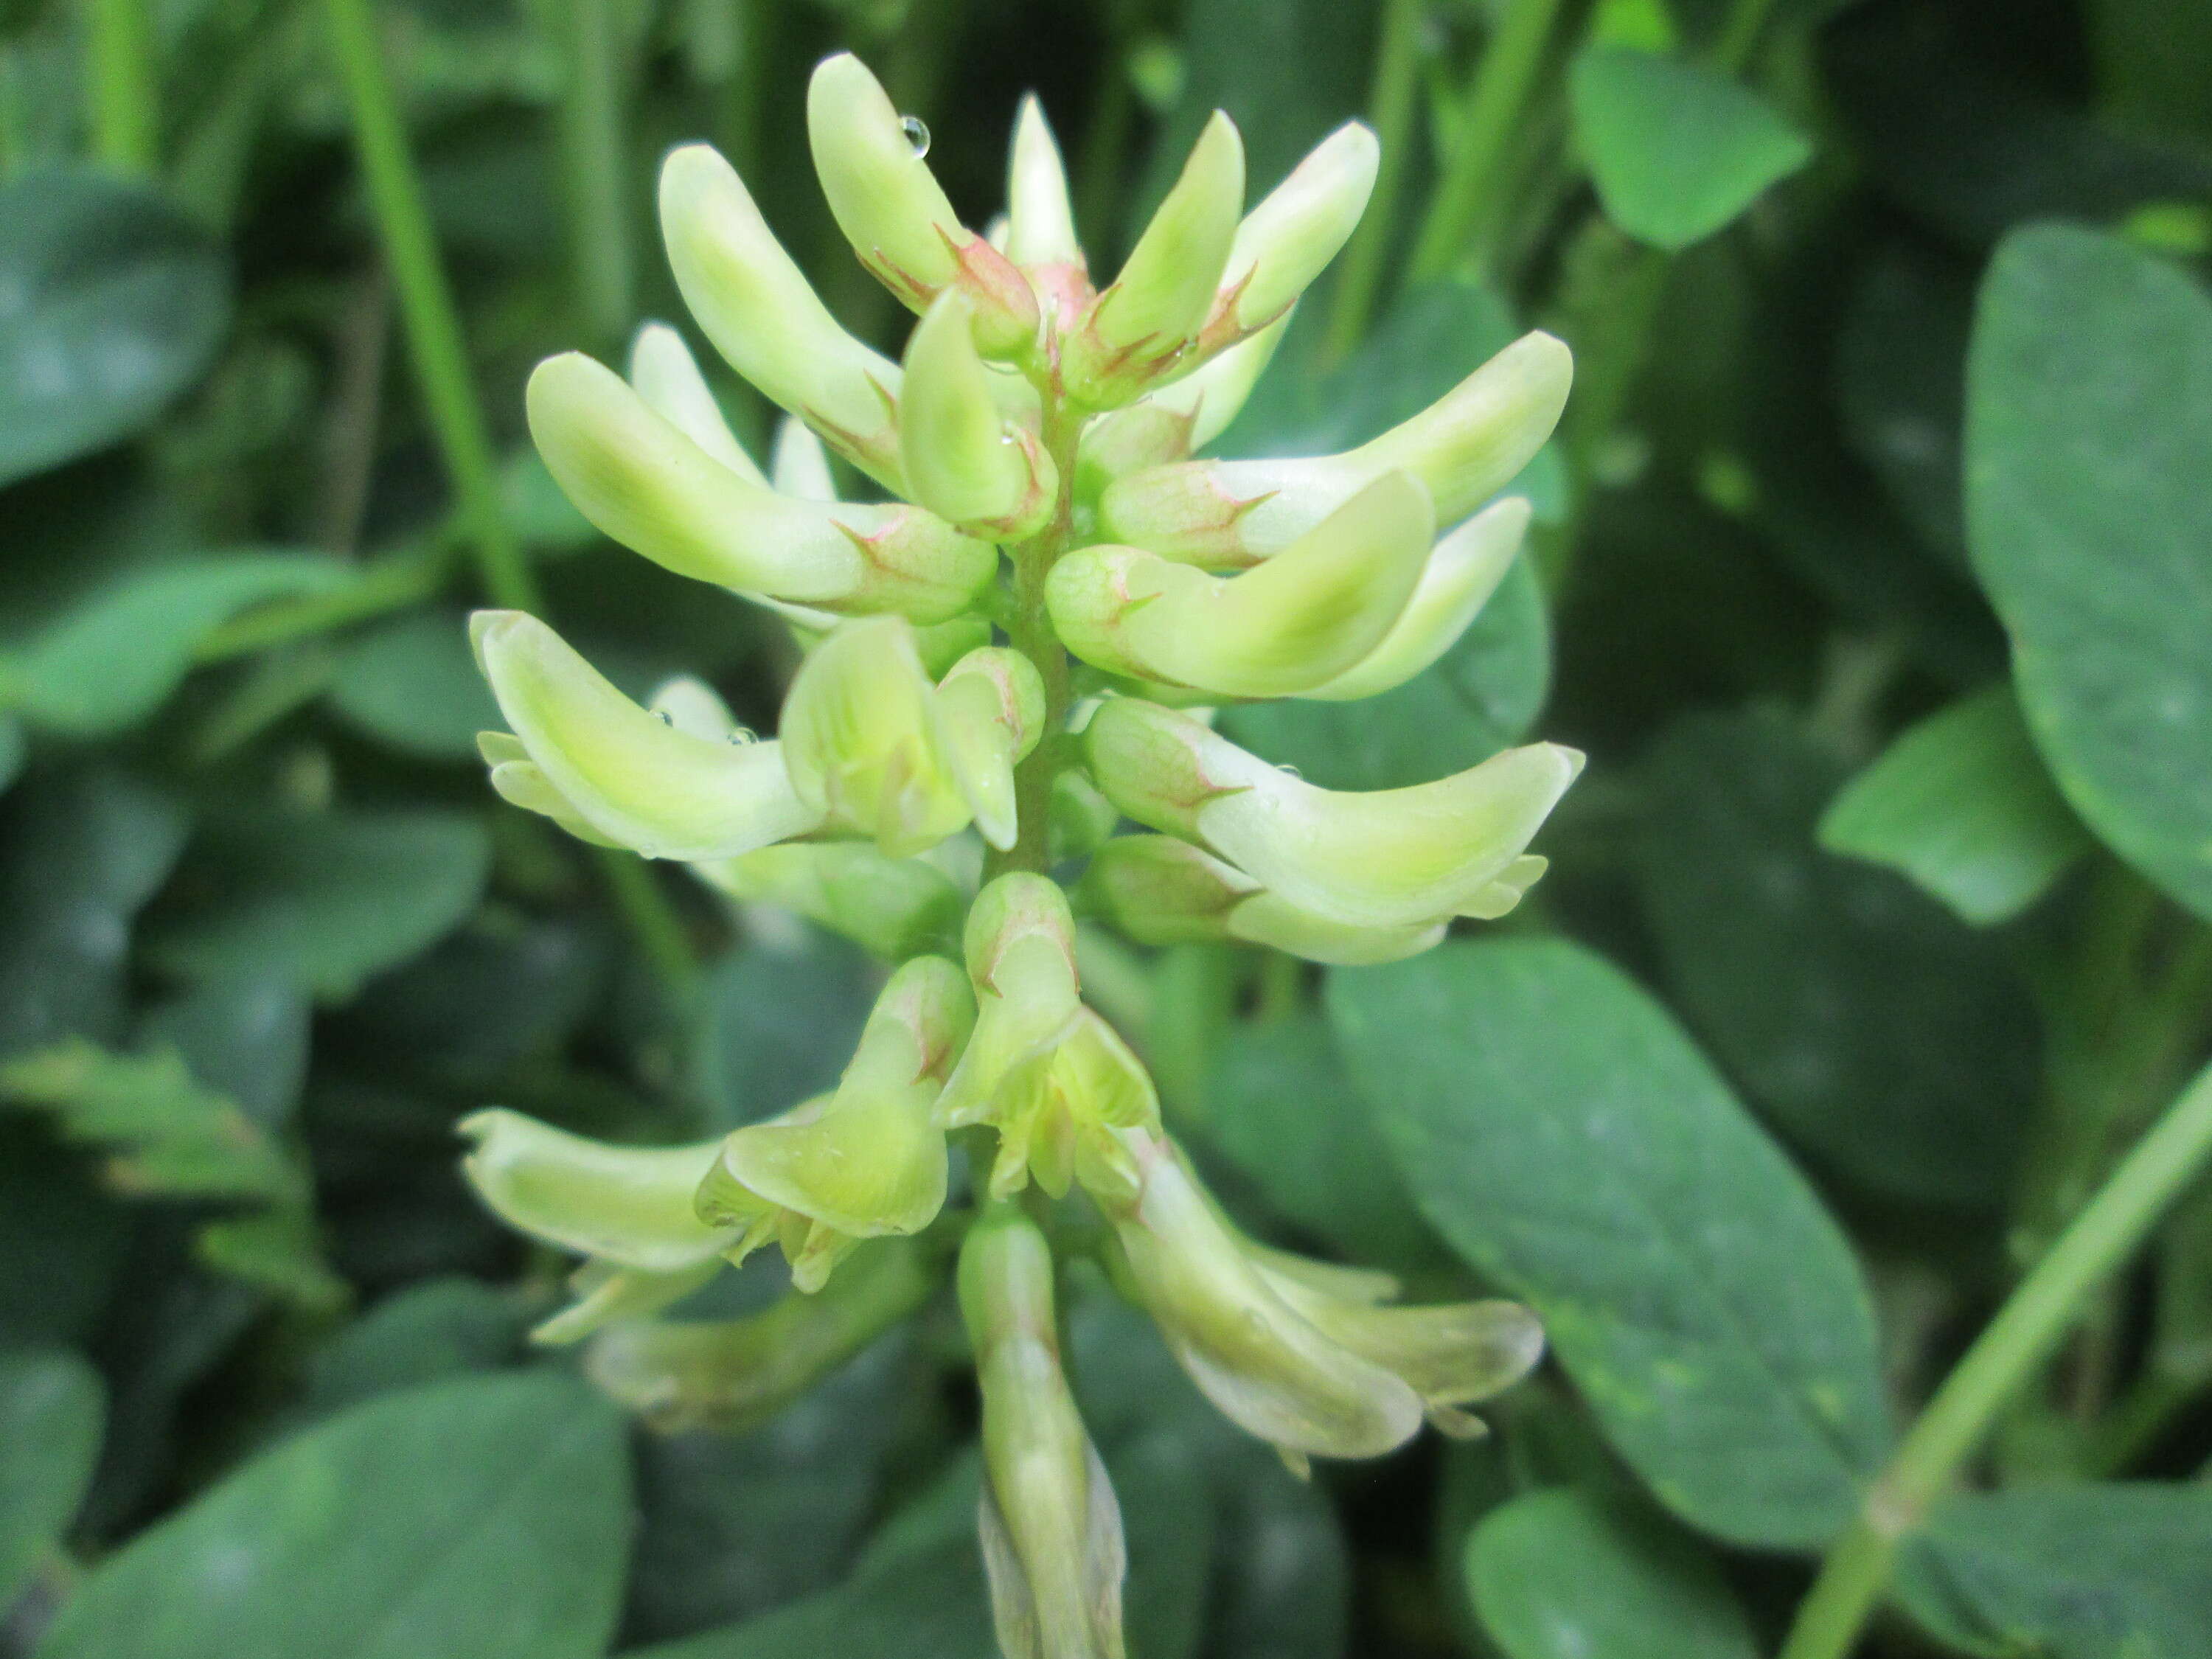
x=991, y=713
x=1138, y=330
x=627, y=1208
x=1284, y=243
x=799, y=467
x=633, y=780
x=517, y=780
x=758, y=308
x=1044, y=1071
x=888, y=204
x=1040, y=218
x=729, y=1376
x=866, y=1161
x=664, y=373
x=1312, y=612
x=964, y=461
x=1461, y=575
x=1159, y=890
x=1465, y=448
x=1051, y=1529
x=639, y=479
x=1170, y=423
x=1262, y=1362
x=1380, y=859
x=861, y=739
x=895, y=908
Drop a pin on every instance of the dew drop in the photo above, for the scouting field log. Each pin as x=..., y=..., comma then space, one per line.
x=917, y=134
x=664, y=717
x=1292, y=772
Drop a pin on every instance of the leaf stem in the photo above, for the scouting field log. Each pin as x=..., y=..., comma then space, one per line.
x=123, y=97
x=426, y=302
x=1390, y=112
x=1496, y=105
x=2030, y=1325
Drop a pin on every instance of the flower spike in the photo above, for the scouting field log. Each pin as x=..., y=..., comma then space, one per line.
x=1465, y=448
x=1310, y=615
x=1387, y=858
x=888, y=204
x=632, y=780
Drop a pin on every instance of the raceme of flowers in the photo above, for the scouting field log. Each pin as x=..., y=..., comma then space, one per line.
x=1014, y=653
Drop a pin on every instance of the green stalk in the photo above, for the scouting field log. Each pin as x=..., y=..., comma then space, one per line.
x=594, y=161
x=442, y=367
x=391, y=582
x=2031, y=1323
x=426, y=303
x=1390, y=112
x=123, y=96
x=1747, y=19
x=1496, y=105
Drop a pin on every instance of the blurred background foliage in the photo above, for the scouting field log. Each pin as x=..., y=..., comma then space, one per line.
x=1840, y=894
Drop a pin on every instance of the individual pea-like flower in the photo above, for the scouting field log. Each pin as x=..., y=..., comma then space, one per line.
x=1043, y=1070
x=1303, y=1354
x=1051, y=1527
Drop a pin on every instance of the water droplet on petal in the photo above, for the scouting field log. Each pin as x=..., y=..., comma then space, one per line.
x=664, y=717
x=1292, y=772
x=917, y=134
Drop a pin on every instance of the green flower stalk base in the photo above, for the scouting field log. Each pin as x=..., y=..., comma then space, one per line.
x=1010, y=655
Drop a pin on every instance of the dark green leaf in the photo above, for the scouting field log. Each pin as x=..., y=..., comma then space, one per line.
x=434, y=1329
x=1880, y=1032
x=1563, y=1575
x=1560, y=1132
x=783, y=1016
x=111, y=303
x=1483, y=694
x=1280, y=1109
x=2089, y=440
x=413, y=683
x=323, y=900
x=1167, y=1521
x=62, y=1241
x=112, y=658
x=2120, y=1571
x=245, y=1039
x=50, y=1405
x=12, y=745
x=1675, y=149
x=1961, y=803
x=482, y=1519
x=79, y=854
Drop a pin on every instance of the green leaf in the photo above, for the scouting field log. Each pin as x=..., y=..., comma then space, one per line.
x=166, y=1136
x=2099, y=1571
x=482, y=1519
x=1561, y=1575
x=1561, y=1133
x=112, y=302
x=412, y=683
x=63, y=1242
x=2089, y=440
x=1879, y=1032
x=1676, y=149
x=51, y=1407
x=80, y=852
x=244, y=1038
x=1280, y=1109
x=114, y=657
x=783, y=1016
x=12, y=747
x=323, y=900
x=1483, y=694
x=434, y=1329
x=1961, y=803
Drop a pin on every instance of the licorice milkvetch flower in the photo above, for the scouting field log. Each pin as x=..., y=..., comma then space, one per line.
x=1297, y=1352
x=1002, y=676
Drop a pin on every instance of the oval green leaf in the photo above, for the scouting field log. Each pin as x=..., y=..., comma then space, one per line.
x=51, y=1407
x=1560, y=1132
x=112, y=302
x=482, y=1519
x=2089, y=443
x=1561, y=1575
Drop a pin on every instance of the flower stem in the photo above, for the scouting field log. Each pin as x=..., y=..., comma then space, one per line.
x=426, y=302
x=122, y=95
x=1029, y=631
x=1390, y=112
x=595, y=162
x=1496, y=105
x=2030, y=1325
